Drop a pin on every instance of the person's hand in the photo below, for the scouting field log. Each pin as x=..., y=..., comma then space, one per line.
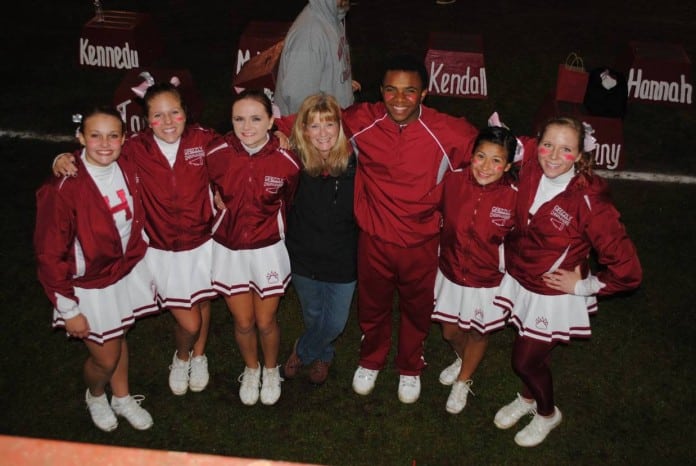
x=217, y=199
x=64, y=165
x=77, y=327
x=563, y=280
x=283, y=140
x=356, y=86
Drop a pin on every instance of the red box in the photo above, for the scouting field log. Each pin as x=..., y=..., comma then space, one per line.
x=609, y=153
x=657, y=73
x=455, y=65
x=124, y=40
x=132, y=112
x=257, y=37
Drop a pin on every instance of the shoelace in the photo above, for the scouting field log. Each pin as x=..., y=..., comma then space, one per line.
x=409, y=381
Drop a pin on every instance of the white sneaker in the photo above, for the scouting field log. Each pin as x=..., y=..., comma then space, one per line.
x=179, y=375
x=249, y=391
x=508, y=415
x=129, y=407
x=102, y=414
x=198, y=374
x=364, y=380
x=457, y=397
x=537, y=430
x=409, y=388
x=270, y=385
x=450, y=373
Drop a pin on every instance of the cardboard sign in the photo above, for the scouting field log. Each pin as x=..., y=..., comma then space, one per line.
x=124, y=40
x=257, y=37
x=261, y=71
x=129, y=104
x=657, y=73
x=456, y=66
x=609, y=153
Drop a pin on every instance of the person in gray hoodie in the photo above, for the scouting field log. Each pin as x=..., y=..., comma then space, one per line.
x=316, y=57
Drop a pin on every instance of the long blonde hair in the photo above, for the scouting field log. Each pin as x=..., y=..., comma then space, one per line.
x=327, y=108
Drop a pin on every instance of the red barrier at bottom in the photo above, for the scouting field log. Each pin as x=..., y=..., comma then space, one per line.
x=23, y=451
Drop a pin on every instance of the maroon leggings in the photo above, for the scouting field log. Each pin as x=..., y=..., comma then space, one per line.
x=531, y=361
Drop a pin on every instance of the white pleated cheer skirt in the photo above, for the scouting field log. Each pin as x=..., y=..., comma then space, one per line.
x=183, y=278
x=112, y=310
x=467, y=307
x=546, y=317
x=265, y=270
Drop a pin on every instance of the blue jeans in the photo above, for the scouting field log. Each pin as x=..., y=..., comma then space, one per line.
x=325, y=308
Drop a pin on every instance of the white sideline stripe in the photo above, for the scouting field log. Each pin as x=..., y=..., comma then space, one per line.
x=646, y=176
x=609, y=174
x=8, y=133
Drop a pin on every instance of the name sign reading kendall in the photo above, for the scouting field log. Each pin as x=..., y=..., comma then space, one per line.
x=120, y=40
x=456, y=66
x=657, y=73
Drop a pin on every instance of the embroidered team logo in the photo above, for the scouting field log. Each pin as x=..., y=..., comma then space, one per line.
x=560, y=218
x=272, y=184
x=478, y=314
x=542, y=323
x=272, y=278
x=499, y=215
x=194, y=156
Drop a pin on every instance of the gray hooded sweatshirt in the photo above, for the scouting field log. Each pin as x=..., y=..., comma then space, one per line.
x=315, y=58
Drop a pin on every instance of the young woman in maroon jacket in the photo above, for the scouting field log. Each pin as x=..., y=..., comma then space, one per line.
x=563, y=212
x=90, y=247
x=169, y=156
x=256, y=181
x=478, y=205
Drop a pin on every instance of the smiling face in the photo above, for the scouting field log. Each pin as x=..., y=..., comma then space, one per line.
x=102, y=135
x=558, y=150
x=489, y=162
x=322, y=133
x=251, y=122
x=166, y=116
x=402, y=93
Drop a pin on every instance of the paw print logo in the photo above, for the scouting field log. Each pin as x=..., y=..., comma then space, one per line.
x=272, y=277
x=478, y=314
x=542, y=323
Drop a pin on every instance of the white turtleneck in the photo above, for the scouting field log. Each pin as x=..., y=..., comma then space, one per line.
x=254, y=150
x=168, y=149
x=113, y=188
x=550, y=188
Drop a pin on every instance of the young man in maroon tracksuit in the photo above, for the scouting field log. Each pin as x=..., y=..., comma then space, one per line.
x=403, y=149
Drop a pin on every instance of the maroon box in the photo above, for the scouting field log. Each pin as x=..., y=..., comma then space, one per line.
x=609, y=153
x=657, y=73
x=127, y=101
x=257, y=37
x=124, y=40
x=455, y=65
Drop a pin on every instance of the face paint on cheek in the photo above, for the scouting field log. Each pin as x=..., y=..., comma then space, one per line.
x=543, y=151
x=569, y=157
x=179, y=118
x=154, y=123
x=498, y=168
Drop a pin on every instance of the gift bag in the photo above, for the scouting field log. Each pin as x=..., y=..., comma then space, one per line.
x=607, y=93
x=572, y=80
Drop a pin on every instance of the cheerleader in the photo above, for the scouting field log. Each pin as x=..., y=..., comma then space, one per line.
x=256, y=181
x=563, y=212
x=90, y=246
x=478, y=211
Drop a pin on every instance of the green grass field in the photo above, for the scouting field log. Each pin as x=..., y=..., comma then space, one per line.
x=626, y=394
